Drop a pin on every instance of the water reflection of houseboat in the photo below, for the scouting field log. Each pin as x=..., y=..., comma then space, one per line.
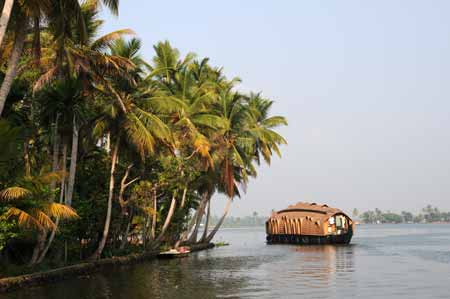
x=309, y=223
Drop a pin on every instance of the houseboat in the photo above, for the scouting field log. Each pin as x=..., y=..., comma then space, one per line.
x=309, y=223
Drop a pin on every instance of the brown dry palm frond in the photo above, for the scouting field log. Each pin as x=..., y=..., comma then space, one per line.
x=43, y=219
x=45, y=78
x=13, y=193
x=60, y=211
x=23, y=218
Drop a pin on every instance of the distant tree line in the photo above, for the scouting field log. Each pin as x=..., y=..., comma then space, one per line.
x=245, y=221
x=428, y=214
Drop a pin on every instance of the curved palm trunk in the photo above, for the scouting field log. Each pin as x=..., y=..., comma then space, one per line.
x=55, y=152
x=185, y=234
x=62, y=187
x=73, y=163
x=127, y=231
x=205, y=231
x=61, y=198
x=154, y=218
x=96, y=255
x=26, y=158
x=40, y=242
x=13, y=63
x=198, y=218
x=4, y=19
x=166, y=222
x=219, y=224
x=49, y=243
x=183, y=198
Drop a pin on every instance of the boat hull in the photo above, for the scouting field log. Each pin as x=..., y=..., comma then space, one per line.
x=310, y=240
x=170, y=255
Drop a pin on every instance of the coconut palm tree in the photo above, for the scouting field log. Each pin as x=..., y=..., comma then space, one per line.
x=137, y=127
x=38, y=5
x=261, y=128
x=25, y=12
x=194, y=87
x=248, y=135
x=83, y=56
x=64, y=14
x=128, y=119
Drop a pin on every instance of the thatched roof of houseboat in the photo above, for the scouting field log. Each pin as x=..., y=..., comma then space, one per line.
x=303, y=209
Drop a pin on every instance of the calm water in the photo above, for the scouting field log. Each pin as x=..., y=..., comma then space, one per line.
x=384, y=261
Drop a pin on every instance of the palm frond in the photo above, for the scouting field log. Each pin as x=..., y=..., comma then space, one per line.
x=61, y=211
x=14, y=193
x=43, y=219
x=106, y=41
x=23, y=218
x=274, y=121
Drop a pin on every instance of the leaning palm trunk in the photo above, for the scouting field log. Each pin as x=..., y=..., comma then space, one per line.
x=13, y=63
x=219, y=224
x=98, y=252
x=205, y=231
x=26, y=158
x=185, y=234
x=43, y=253
x=157, y=241
x=73, y=163
x=61, y=197
x=183, y=198
x=127, y=230
x=154, y=218
x=4, y=19
x=198, y=217
x=62, y=187
x=55, y=152
x=40, y=243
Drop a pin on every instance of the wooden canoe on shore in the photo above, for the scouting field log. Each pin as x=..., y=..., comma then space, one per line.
x=174, y=253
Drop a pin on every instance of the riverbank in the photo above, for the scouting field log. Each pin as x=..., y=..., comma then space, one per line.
x=58, y=274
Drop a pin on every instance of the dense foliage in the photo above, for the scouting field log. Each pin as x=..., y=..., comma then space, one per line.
x=102, y=152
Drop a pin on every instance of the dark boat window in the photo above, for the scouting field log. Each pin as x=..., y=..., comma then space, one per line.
x=339, y=222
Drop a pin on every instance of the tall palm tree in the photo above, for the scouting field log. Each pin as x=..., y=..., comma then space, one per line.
x=193, y=87
x=83, y=56
x=66, y=12
x=113, y=5
x=248, y=136
x=128, y=119
x=80, y=54
x=25, y=12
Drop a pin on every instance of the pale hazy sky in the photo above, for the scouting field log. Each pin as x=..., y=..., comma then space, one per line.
x=364, y=85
